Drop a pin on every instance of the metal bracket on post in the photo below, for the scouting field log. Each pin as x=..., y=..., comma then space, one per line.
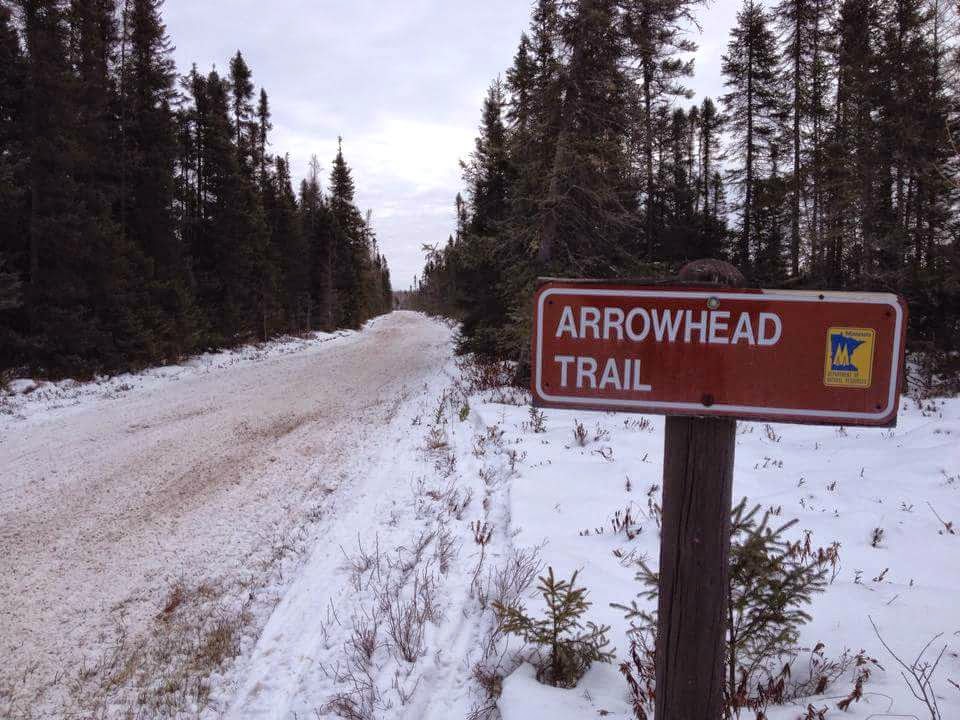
x=695, y=550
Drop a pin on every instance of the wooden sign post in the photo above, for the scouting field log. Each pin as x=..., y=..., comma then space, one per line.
x=706, y=352
x=694, y=570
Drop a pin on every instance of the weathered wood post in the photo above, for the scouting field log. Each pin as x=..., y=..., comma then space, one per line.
x=695, y=549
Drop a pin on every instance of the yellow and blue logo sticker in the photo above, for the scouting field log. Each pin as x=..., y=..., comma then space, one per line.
x=849, y=360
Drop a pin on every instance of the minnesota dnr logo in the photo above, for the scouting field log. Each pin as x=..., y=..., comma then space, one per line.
x=849, y=361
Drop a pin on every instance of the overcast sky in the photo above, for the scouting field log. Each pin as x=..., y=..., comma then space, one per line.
x=402, y=82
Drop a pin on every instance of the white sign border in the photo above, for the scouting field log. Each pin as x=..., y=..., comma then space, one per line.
x=699, y=408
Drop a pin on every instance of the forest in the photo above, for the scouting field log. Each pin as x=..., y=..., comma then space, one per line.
x=828, y=162
x=142, y=214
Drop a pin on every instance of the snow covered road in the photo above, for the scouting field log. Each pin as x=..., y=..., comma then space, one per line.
x=105, y=505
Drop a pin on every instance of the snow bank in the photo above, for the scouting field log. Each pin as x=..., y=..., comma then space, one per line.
x=26, y=398
x=841, y=483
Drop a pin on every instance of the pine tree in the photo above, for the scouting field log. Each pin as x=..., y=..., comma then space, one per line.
x=351, y=250
x=713, y=220
x=287, y=238
x=236, y=281
x=587, y=218
x=487, y=174
x=386, y=287
x=480, y=301
x=753, y=105
x=264, y=126
x=62, y=328
x=570, y=645
x=148, y=151
x=320, y=234
x=771, y=194
x=799, y=24
x=520, y=85
x=14, y=188
x=820, y=45
x=241, y=93
x=116, y=272
x=545, y=112
x=657, y=31
x=191, y=130
x=850, y=173
x=771, y=583
x=683, y=221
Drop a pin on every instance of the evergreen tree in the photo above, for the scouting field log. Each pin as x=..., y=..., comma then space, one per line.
x=351, y=247
x=117, y=274
x=320, y=233
x=14, y=186
x=816, y=106
x=236, y=284
x=545, y=121
x=520, y=84
x=843, y=170
x=681, y=224
x=386, y=287
x=264, y=126
x=713, y=219
x=61, y=325
x=566, y=645
x=138, y=223
x=587, y=219
x=769, y=269
x=480, y=297
x=850, y=174
x=657, y=31
x=753, y=105
x=799, y=23
x=290, y=244
x=148, y=149
x=241, y=93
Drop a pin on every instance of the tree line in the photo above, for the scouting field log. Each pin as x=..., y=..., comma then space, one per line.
x=142, y=215
x=829, y=161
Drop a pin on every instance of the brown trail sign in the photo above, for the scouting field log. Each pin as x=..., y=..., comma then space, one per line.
x=707, y=354
x=830, y=358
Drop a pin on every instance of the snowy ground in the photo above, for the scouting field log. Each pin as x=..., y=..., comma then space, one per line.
x=840, y=483
x=376, y=503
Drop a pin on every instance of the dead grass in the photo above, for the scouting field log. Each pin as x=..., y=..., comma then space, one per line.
x=197, y=630
x=166, y=673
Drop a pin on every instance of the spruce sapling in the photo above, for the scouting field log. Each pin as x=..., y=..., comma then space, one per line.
x=771, y=583
x=571, y=645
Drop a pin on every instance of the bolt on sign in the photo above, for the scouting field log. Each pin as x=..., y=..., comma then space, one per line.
x=786, y=356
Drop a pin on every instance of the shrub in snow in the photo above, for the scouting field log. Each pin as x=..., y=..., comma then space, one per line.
x=564, y=646
x=538, y=420
x=579, y=433
x=772, y=581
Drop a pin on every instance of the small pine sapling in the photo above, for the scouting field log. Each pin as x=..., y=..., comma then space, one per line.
x=770, y=585
x=538, y=420
x=565, y=645
x=771, y=582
